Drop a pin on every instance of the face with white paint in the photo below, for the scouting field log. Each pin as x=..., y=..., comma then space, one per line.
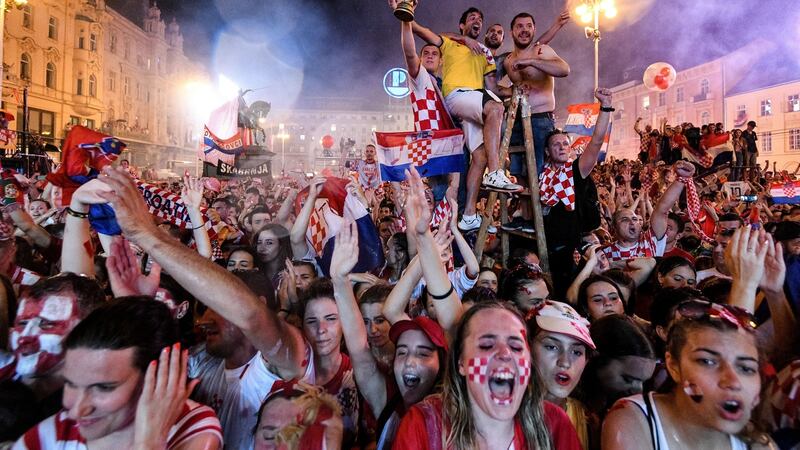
x=496, y=363
x=39, y=328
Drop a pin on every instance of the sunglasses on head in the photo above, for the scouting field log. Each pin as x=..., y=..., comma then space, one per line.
x=703, y=310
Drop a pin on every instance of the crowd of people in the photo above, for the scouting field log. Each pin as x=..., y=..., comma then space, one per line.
x=664, y=319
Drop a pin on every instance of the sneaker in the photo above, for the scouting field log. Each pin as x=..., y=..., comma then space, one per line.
x=498, y=181
x=528, y=227
x=469, y=223
x=515, y=224
x=491, y=229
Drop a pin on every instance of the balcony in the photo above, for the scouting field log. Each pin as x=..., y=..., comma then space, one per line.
x=702, y=97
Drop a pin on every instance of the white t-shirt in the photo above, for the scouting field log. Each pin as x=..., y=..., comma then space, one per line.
x=461, y=282
x=236, y=394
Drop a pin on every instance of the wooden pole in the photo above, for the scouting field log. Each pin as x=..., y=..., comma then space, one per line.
x=480, y=243
x=533, y=181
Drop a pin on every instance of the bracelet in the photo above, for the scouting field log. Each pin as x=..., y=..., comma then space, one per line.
x=607, y=109
x=443, y=296
x=77, y=214
x=199, y=226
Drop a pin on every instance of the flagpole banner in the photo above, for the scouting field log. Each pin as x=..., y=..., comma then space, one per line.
x=432, y=152
x=333, y=208
x=581, y=119
x=222, y=137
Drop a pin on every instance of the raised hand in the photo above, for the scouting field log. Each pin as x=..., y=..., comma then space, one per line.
x=124, y=274
x=163, y=396
x=745, y=255
x=563, y=18
x=774, y=267
x=132, y=213
x=192, y=192
x=417, y=213
x=683, y=169
x=89, y=192
x=345, y=252
x=604, y=96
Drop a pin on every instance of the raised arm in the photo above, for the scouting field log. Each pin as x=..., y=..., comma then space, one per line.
x=547, y=61
x=370, y=381
x=448, y=305
x=394, y=308
x=192, y=195
x=588, y=159
x=282, y=217
x=470, y=261
x=298, y=234
x=658, y=221
x=281, y=344
x=25, y=223
x=551, y=32
x=636, y=126
x=426, y=35
x=77, y=255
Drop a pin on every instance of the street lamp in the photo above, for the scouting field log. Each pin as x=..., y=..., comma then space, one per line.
x=588, y=10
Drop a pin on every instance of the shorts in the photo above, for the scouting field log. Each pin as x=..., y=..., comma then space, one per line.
x=541, y=124
x=467, y=105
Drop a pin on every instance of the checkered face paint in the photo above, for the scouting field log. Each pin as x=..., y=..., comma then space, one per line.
x=39, y=329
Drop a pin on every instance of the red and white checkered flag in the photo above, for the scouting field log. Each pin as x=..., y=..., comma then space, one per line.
x=442, y=212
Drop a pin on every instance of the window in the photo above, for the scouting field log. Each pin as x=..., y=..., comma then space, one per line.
x=646, y=103
x=112, y=81
x=705, y=118
x=766, y=107
x=126, y=86
x=704, y=87
x=679, y=94
x=93, y=42
x=766, y=141
x=50, y=76
x=662, y=98
x=25, y=66
x=81, y=40
x=27, y=17
x=73, y=120
x=39, y=121
x=92, y=86
x=127, y=50
x=741, y=109
x=89, y=123
x=52, y=28
x=794, y=103
x=112, y=43
x=794, y=139
x=79, y=87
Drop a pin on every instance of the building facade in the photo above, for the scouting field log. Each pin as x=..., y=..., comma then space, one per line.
x=84, y=63
x=776, y=111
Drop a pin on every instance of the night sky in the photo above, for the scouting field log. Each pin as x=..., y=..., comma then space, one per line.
x=299, y=48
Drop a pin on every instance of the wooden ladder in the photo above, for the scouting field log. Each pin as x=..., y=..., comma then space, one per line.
x=518, y=101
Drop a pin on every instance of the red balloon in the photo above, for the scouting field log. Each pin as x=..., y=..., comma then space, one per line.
x=661, y=82
x=327, y=141
x=665, y=71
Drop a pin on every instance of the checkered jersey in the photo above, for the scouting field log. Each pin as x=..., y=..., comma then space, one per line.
x=784, y=398
x=646, y=247
x=427, y=105
x=557, y=185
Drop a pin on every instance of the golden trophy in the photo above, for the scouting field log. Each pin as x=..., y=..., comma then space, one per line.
x=405, y=10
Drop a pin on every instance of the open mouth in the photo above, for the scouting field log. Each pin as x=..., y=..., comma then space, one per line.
x=732, y=410
x=563, y=379
x=501, y=386
x=410, y=380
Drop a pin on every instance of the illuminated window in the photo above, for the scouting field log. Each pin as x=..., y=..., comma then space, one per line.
x=794, y=103
x=766, y=141
x=766, y=107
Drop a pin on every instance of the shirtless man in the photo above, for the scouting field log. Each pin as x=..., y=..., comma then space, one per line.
x=532, y=66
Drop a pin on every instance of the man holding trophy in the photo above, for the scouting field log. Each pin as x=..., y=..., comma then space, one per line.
x=468, y=82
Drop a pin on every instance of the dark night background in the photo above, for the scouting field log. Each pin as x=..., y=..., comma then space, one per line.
x=334, y=48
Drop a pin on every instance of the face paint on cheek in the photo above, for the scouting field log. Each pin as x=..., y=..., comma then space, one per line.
x=693, y=391
x=524, y=367
x=477, y=368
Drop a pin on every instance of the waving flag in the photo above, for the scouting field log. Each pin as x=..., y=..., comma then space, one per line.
x=581, y=120
x=432, y=152
x=84, y=154
x=333, y=208
x=787, y=193
x=222, y=137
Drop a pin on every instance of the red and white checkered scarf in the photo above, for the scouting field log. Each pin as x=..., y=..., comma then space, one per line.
x=557, y=185
x=693, y=205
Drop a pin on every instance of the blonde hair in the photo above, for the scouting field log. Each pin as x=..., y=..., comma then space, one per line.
x=457, y=419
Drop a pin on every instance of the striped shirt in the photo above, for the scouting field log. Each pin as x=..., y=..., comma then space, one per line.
x=58, y=432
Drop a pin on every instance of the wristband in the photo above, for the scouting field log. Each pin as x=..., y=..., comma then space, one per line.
x=199, y=226
x=607, y=109
x=443, y=296
x=77, y=214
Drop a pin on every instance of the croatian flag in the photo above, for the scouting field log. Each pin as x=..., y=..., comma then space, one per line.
x=787, y=193
x=581, y=119
x=333, y=208
x=432, y=152
x=222, y=138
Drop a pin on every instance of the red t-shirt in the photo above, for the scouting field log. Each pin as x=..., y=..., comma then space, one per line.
x=421, y=428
